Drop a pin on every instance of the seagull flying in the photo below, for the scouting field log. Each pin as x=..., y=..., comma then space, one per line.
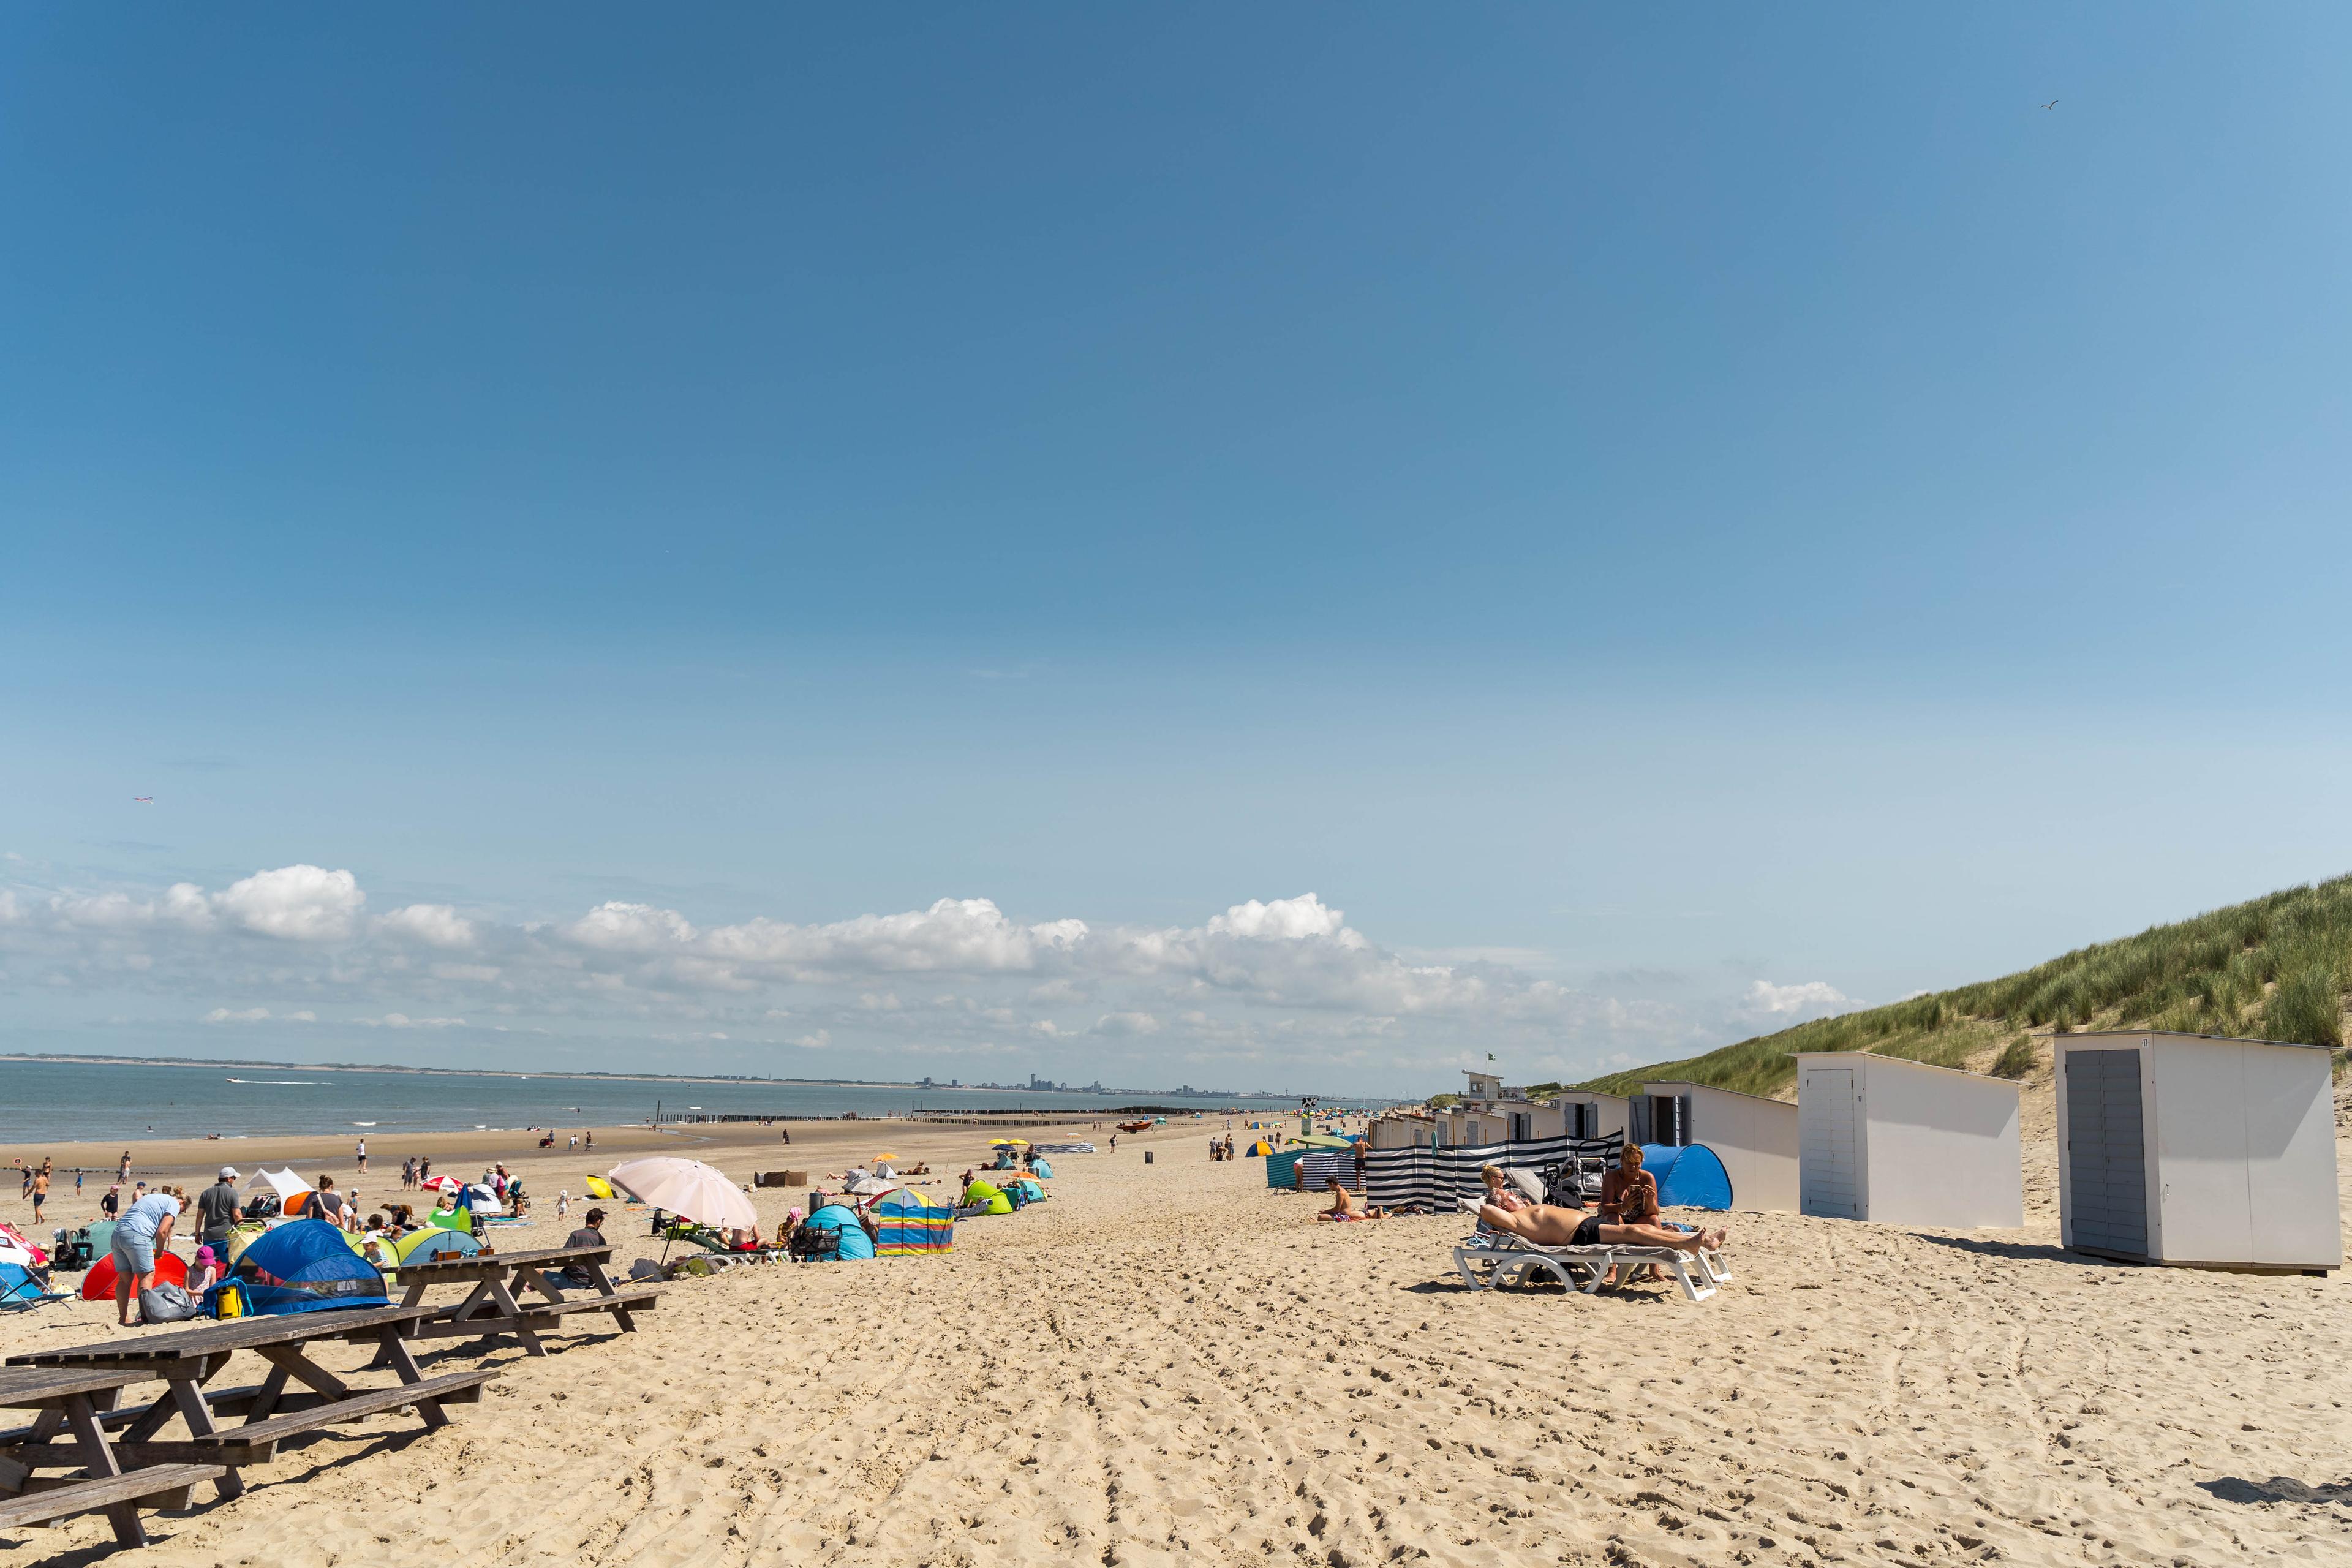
x=2052, y=104
x=142, y=800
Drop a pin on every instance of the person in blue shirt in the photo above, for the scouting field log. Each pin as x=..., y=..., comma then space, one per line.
x=144, y=1230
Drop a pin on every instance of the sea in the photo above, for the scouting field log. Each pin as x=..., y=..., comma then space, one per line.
x=112, y=1103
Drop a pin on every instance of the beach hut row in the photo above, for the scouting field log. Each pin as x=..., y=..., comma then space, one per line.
x=2191, y=1149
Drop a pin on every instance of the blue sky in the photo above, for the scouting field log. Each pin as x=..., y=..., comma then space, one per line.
x=1657, y=519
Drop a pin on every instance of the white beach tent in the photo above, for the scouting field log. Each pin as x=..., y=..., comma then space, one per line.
x=1902, y=1142
x=2198, y=1151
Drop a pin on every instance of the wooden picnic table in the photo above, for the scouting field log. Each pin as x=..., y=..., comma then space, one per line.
x=71, y=1400
x=187, y=1358
x=493, y=1309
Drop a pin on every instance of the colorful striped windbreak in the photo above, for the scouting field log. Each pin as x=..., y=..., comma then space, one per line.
x=908, y=1225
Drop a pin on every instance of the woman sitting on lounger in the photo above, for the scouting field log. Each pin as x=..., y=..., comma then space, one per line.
x=1347, y=1205
x=1548, y=1225
x=1500, y=1193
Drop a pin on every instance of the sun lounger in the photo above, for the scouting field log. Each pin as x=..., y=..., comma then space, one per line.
x=1491, y=1259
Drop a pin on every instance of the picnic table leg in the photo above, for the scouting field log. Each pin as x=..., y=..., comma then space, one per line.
x=265, y=1398
x=605, y=1286
x=483, y=1295
x=395, y=1350
x=100, y=1463
x=198, y=1413
x=513, y=1309
x=288, y=1359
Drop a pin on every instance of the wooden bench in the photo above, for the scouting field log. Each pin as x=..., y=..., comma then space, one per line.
x=641, y=1299
x=69, y=1402
x=157, y=1486
x=312, y=1412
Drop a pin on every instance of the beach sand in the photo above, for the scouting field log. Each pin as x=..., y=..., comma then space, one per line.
x=1167, y=1363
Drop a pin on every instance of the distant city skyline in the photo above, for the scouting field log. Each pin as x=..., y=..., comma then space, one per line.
x=1264, y=548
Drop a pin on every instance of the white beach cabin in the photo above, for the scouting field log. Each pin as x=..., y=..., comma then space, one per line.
x=1902, y=1142
x=2198, y=1151
x=1591, y=1115
x=1755, y=1137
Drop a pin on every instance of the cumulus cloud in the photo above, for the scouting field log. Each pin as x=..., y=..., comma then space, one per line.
x=1265, y=981
x=1285, y=920
x=436, y=925
x=1815, y=997
x=301, y=903
x=257, y=1016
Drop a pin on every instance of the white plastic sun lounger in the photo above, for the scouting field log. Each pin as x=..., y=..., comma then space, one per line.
x=1488, y=1260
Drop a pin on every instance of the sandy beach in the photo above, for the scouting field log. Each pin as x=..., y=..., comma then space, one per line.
x=1167, y=1363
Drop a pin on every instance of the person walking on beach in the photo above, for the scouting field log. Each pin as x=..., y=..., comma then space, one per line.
x=40, y=1194
x=362, y=1153
x=124, y=1173
x=425, y=1169
x=77, y=1180
x=143, y=1233
x=111, y=1204
x=408, y=1174
x=216, y=1208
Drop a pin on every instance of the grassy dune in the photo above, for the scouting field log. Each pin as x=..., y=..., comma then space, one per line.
x=2273, y=968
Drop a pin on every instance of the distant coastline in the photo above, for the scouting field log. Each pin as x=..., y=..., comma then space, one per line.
x=77, y=1059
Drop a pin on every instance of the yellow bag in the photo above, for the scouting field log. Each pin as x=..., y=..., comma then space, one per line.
x=229, y=1299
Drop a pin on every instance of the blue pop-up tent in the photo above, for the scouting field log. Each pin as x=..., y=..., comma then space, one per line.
x=855, y=1242
x=305, y=1266
x=1691, y=1176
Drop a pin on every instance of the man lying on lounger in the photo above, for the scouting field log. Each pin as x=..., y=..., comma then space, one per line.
x=1548, y=1225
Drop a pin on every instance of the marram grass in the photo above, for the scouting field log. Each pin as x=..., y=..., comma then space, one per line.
x=2274, y=968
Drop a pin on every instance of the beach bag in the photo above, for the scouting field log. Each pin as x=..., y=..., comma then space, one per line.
x=167, y=1304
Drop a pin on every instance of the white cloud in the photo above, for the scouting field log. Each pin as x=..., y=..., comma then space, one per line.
x=436, y=925
x=1815, y=997
x=301, y=903
x=629, y=928
x=1285, y=920
x=257, y=1016
x=1258, y=981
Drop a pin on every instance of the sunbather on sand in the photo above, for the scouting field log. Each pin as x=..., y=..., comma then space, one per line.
x=1548, y=1225
x=1347, y=1205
